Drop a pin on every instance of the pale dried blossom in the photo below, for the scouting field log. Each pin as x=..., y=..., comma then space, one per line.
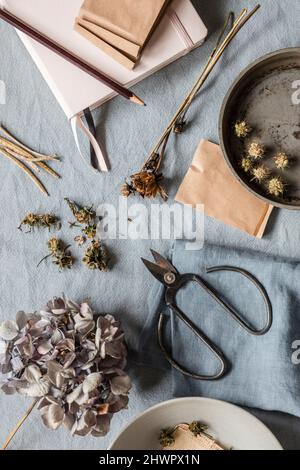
x=242, y=129
x=256, y=151
x=246, y=164
x=71, y=360
x=276, y=187
x=260, y=173
x=282, y=161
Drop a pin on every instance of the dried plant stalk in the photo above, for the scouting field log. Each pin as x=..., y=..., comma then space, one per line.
x=155, y=158
x=18, y=425
x=33, y=152
x=26, y=170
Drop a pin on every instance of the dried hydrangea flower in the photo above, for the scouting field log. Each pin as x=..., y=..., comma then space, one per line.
x=246, y=164
x=281, y=161
x=40, y=220
x=90, y=231
x=83, y=215
x=147, y=184
x=256, y=151
x=276, y=187
x=242, y=129
x=71, y=360
x=96, y=256
x=260, y=173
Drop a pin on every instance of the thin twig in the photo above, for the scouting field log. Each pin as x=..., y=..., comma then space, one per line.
x=211, y=63
x=33, y=152
x=26, y=170
x=18, y=425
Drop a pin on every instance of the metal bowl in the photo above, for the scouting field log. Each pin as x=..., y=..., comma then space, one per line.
x=265, y=95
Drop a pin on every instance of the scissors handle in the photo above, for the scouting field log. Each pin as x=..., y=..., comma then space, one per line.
x=244, y=324
x=224, y=365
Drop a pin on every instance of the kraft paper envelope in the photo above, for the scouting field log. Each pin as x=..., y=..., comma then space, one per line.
x=210, y=182
x=120, y=28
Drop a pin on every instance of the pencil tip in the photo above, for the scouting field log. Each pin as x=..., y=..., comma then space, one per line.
x=137, y=100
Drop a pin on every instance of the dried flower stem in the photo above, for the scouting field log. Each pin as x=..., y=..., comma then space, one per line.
x=33, y=152
x=214, y=58
x=18, y=425
x=26, y=170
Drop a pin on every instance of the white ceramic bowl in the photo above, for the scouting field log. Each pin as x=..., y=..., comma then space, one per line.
x=230, y=425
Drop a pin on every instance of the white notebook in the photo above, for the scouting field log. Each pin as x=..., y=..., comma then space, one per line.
x=180, y=30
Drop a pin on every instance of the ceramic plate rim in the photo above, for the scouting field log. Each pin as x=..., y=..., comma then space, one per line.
x=198, y=399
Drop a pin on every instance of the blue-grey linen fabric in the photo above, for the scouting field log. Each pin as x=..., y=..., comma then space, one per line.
x=129, y=132
x=262, y=373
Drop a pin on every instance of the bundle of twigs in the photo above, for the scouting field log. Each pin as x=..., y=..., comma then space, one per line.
x=147, y=182
x=26, y=159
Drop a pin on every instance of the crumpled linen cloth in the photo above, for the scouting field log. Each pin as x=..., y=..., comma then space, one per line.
x=32, y=113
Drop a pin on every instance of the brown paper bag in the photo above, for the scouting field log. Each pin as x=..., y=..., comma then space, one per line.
x=210, y=182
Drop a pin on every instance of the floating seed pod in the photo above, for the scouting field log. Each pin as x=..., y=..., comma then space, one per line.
x=256, y=151
x=246, y=164
x=242, y=129
x=260, y=173
x=276, y=186
x=281, y=161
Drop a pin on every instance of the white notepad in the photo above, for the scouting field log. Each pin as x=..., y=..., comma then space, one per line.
x=180, y=30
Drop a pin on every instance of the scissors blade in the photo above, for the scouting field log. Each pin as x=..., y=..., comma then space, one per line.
x=155, y=270
x=163, y=262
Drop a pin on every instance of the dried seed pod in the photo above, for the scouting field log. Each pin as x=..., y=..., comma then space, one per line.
x=260, y=173
x=281, y=161
x=256, y=151
x=242, y=129
x=276, y=186
x=246, y=164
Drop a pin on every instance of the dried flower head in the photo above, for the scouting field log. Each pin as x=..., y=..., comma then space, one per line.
x=281, y=161
x=90, y=231
x=256, y=150
x=166, y=438
x=260, y=173
x=127, y=190
x=54, y=245
x=96, y=256
x=80, y=240
x=40, y=221
x=83, y=215
x=71, y=360
x=246, y=164
x=197, y=428
x=242, y=129
x=59, y=253
x=276, y=187
x=147, y=184
x=179, y=126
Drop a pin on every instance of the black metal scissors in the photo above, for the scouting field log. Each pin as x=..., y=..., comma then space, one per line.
x=168, y=275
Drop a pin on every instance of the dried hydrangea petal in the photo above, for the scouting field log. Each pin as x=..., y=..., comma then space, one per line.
x=9, y=330
x=91, y=382
x=120, y=385
x=53, y=416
